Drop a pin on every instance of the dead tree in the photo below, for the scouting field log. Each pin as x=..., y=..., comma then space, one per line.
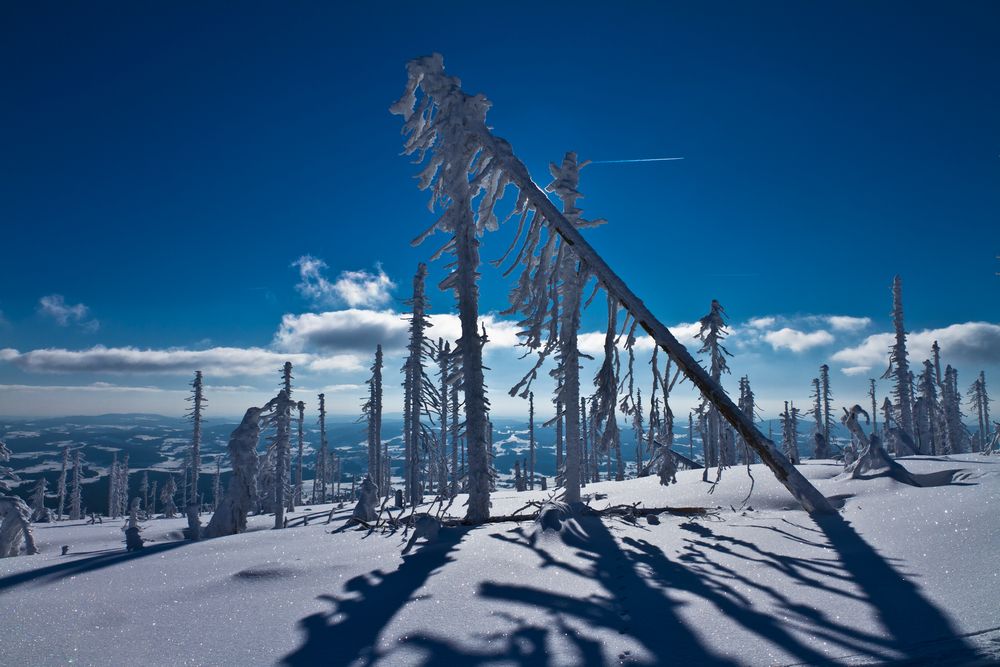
x=448, y=127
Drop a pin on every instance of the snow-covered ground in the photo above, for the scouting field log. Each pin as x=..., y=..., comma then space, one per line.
x=905, y=573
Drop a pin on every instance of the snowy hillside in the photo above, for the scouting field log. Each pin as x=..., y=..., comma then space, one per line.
x=906, y=573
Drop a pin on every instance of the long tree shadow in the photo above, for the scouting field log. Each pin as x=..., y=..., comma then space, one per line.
x=910, y=618
x=71, y=568
x=629, y=605
x=349, y=631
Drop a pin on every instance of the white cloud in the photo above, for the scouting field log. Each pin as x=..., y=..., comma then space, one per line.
x=968, y=342
x=848, y=323
x=592, y=342
x=797, y=341
x=55, y=306
x=762, y=322
x=352, y=288
x=855, y=370
x=218, y=361
x=358, y=331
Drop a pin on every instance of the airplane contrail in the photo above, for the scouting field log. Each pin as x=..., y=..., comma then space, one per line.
x=646, y=159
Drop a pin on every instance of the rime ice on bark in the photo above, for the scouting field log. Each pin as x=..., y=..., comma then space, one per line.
x=231, y=516
x=15, y=527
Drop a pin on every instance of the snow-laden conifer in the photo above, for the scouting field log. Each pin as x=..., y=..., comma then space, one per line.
x=899, y=367
x=38, y=511
x=197, y=399
x=372, y=414
x=167, y=494
x=61, y=485
x=76, y=493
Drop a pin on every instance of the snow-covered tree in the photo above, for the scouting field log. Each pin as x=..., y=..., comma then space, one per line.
x=606, y=392
x=420, y=396
x=531, y=441
x=442, y=124
x=15, y=527
x=828, y=416
x=322, y=456
x=790, y=432
x=928, y=418
x=980, y=401
x=144, y=492
x=899, y=367
x=711, y=333
x=748, y=406
x=821, y=448
x=443, y=357
x=76, y=493
x=301, y=442
x=468, y=169
x=167, y=494
x=133, y=537
x=216, y=483
x=7, y=475
x=372, y=413
x=197, y=399
x=113, y=490
x=955, y=433
x=871, y=395
x=281, y=420
x=38, y=511
x=61, y=485
x=240, y=497
x=123, y=475
x=151, y=508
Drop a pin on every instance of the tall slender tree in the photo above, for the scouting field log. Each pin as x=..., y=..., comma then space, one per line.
x=113, y=503
x=281, y=420
x=899, y=366
x=531, y=441
x=441, y=123
x=301, y=442
x=61, y=488
x=76, y=493
x=711, y=333
x=322, y=458
x=197, y=399
x=372, y=413
x=420, y=396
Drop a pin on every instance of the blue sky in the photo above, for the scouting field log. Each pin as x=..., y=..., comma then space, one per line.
x=164, y=167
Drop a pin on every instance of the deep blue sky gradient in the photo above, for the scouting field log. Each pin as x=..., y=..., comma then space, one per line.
x=164, y=163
